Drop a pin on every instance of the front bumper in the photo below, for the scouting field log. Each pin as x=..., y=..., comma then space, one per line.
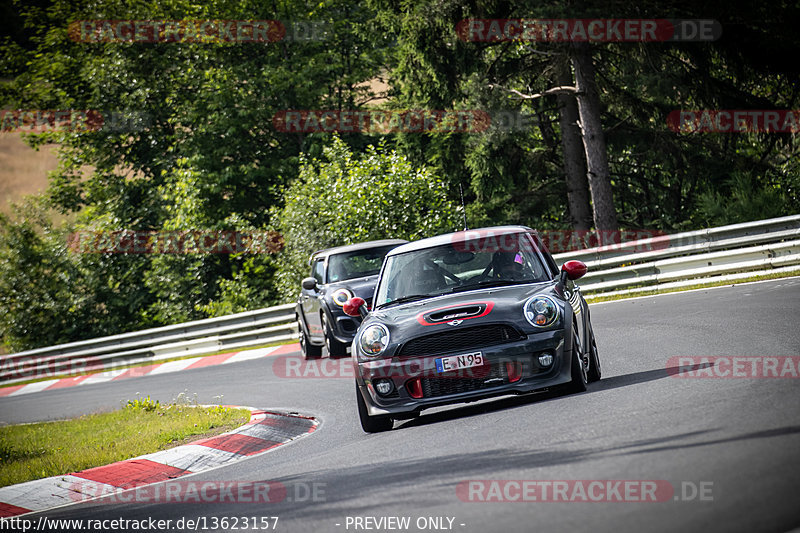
x=510, y=368
x=344, y=327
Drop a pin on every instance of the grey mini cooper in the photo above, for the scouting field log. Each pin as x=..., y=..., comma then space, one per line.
x=466, y=316
x=337, y=274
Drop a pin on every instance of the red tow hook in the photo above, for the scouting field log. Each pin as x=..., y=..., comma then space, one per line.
x=514, y=370
x=414, y=387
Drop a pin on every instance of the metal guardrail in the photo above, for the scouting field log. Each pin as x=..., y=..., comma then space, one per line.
x=231, y=332
x=693, y=255
x=675, y=244
x=709, y=253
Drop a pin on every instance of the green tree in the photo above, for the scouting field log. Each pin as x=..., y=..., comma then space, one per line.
x=346, y=198
x=187, y=144
x=659, y=178
x=43, y=297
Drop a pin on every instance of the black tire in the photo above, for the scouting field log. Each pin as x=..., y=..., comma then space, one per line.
x=309, y=350
x=335, y=348
x=595, y=372
x=371, y=424
x=579, y=376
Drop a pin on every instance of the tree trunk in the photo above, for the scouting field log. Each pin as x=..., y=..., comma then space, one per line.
x=594, y=143
x=580, y=211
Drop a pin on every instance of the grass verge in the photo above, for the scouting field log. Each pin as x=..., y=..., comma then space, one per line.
x=39, y=450
x=591, y=298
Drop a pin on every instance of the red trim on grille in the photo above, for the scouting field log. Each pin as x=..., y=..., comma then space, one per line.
x=421, y=317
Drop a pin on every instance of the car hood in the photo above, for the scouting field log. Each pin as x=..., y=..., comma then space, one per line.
x=361, y=287
x=464, y=309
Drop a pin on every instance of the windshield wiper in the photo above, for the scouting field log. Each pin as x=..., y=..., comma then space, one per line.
x=491, y=283
x=409, y=298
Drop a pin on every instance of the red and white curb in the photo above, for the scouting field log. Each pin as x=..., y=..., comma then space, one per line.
x=150, y=370
x=265, y=431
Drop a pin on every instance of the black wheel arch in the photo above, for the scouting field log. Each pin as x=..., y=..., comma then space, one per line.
x=569, y=324
x=301, y=319
x=326, y=310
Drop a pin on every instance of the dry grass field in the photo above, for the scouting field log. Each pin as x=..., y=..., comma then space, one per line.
x=23, y=170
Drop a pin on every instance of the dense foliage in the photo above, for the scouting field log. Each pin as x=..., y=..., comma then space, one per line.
x=348, y=198
x=661, y=179
x=193, y=145
x=190, y=147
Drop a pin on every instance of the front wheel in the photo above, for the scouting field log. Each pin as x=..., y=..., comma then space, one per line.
x=309, y=350
x=594, y=372
x=371, y=424
x=579, y=376
x=335, y=348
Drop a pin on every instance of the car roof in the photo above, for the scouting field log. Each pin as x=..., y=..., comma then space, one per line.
x=355, y=247
x=458, y=236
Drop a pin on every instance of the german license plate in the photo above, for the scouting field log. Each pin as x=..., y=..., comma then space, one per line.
x=457, y=362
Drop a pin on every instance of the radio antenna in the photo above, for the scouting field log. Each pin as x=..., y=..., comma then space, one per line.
x=463, y=207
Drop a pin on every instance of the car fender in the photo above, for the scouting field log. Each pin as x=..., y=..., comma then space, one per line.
x=325, y=308
x=301, y=319
x=569, y=324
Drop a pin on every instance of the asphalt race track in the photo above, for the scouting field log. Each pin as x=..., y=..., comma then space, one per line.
x=729, y=447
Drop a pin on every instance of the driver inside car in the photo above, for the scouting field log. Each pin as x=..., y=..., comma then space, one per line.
x=428, y=279
x=421, y=276
x=510, y=266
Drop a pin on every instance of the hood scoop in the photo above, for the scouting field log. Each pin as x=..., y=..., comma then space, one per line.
x=455, y=313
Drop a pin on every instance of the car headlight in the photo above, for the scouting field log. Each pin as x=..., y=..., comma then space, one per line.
x=340, y=296
x=541, y=311
x=374, y=340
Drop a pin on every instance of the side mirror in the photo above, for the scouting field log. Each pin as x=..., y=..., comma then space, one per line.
x=309, y=284
x=355, y=307
x=573, y=269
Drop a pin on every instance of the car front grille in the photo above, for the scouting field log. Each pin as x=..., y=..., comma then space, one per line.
x=453, y=382
x=467, y=338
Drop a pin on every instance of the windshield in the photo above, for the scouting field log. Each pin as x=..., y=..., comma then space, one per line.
x=460, y=266
x=357, y=264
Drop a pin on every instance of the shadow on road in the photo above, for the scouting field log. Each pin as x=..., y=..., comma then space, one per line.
x=502, y=404
x=767, y=433
x=635, y=378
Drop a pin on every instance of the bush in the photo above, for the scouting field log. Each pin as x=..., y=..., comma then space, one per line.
x=743, y=198
x=346, y=199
